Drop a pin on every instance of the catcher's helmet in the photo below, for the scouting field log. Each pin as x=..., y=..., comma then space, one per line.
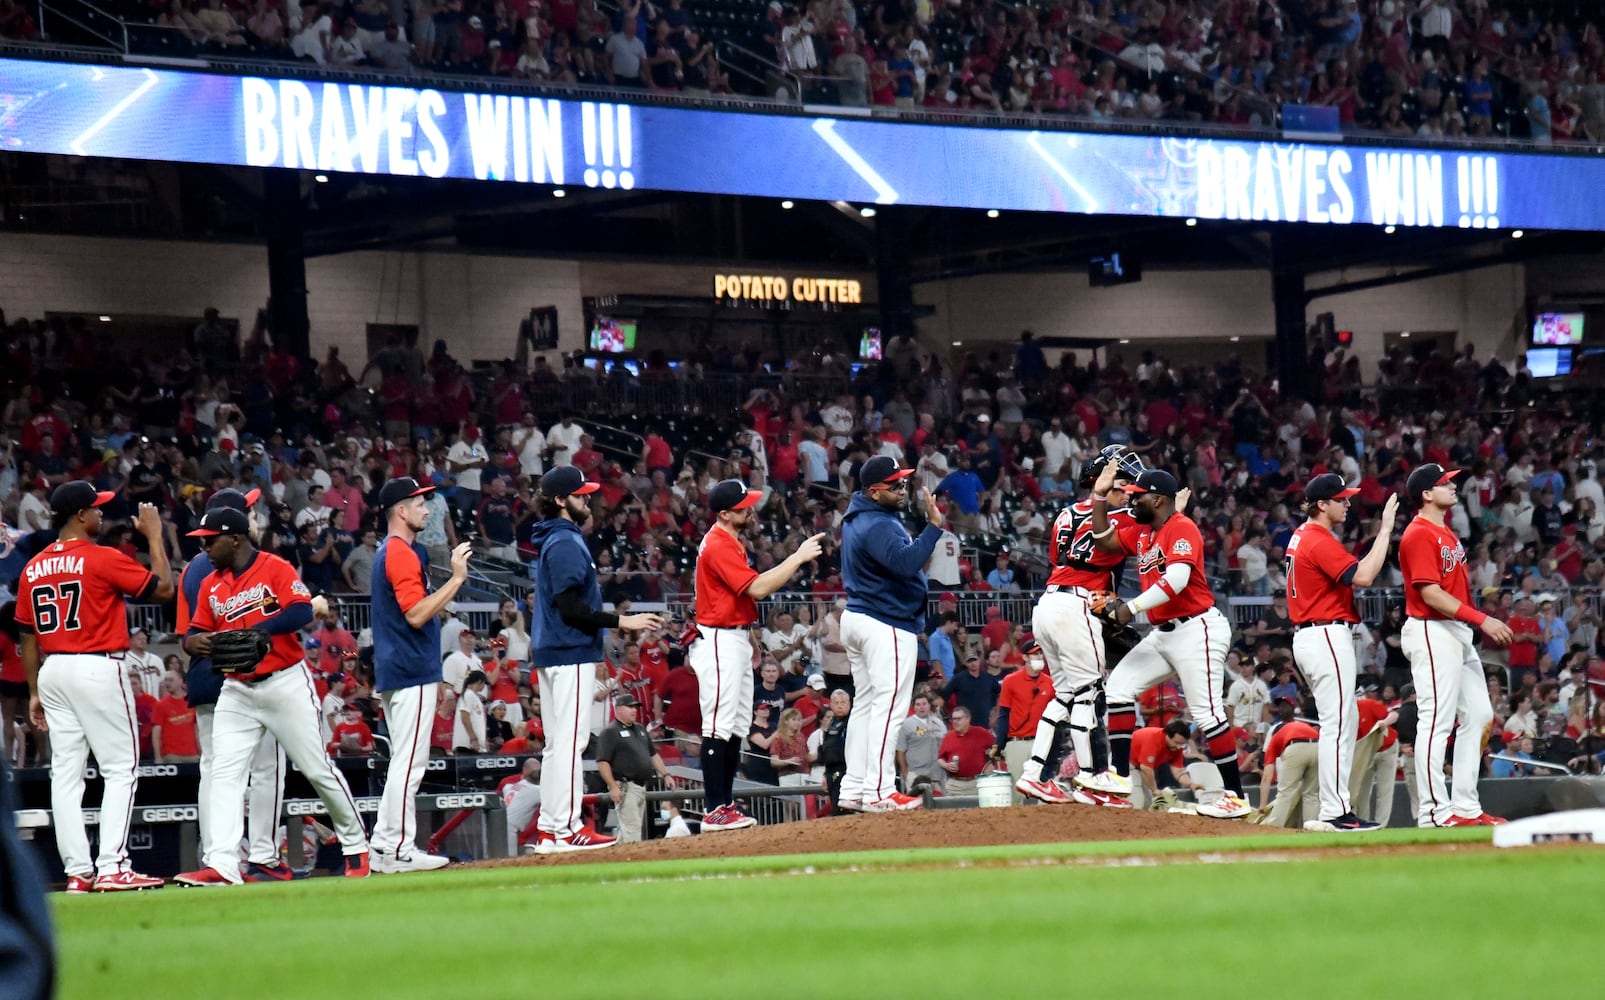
x=1129, y=464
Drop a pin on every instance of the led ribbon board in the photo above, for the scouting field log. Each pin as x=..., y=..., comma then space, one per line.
x=143, y=113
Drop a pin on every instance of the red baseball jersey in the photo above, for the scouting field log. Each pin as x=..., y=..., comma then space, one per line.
x=11, y=662
x=723, y=576
x=72, y=597
x=1077, y=560
x=1371, y=713
x=1024, y=697
x=262, y=590
x=1286, y=734
x=1320, y=575
x=1177, y=540
x=1430, y=553
x=1150, y=749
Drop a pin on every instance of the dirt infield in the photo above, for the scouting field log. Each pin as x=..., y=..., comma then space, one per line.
x=924, y=828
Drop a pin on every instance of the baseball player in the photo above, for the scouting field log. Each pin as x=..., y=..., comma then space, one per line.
x=73, y=622
x=1072, y=640
x=1025, y=695
x=266, y=780
x=886, y=591
x=565, y=649
x=251, y=589
x=728, y=591
x=1189, y=636
x=1438, y=638
x=1321, y=577
x=407, y=666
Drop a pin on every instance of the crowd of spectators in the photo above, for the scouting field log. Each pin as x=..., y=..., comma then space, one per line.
x=1427, y=68
x=999, y=436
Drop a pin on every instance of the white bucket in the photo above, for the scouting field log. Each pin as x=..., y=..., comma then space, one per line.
x=995, y=791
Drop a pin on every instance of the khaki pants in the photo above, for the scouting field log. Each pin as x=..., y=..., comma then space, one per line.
x=1362, y=776
x=1407, y=757
x=1297, y=785
x=1372, y=792
x=632, y=812
x=960, y=786
x=1015, y=754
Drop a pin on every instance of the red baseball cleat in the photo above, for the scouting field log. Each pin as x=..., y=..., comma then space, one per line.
x=126, y=882
x=203, y=878
x=1484, y=819
x=585, y=839
x=78, y=885
x=357, y=865
x=1461, y=821
x=1042, y=791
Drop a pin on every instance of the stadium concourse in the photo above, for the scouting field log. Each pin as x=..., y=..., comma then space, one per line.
x=1427, y=68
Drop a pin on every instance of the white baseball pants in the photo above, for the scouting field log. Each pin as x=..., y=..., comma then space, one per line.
x=882, y=659
x=89, y=708
x=567, y=693
x=264, y=797
x=410, y=714
x=1451, y=697
x=722, y=660
x=1195, y=651
x=285, y=705
x=1071, y=638
x=1325, y=654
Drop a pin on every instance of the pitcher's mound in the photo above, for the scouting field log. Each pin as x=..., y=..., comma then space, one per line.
x=922, y=828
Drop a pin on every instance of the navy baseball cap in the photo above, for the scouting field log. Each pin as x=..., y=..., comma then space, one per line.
x=404, y=488
x=1328, y=486
x=732, y=494
x=75, y=496
x=881, y=469
x=626, y=701
x=1153, y=481
x=1426, y=477
x=567, y=481
x=222, y=521
x=234, y=500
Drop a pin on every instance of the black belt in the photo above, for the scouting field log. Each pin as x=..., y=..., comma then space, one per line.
x=1300, y=740
x=1170, y=626
x=1320, y=624
x=1059, y=588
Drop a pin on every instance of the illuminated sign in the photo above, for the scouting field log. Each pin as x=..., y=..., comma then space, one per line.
x=779, y=288
x=142, y=113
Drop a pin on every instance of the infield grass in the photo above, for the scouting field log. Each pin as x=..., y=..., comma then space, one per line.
x=1021, y=921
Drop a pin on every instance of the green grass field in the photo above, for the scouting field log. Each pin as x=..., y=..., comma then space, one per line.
x=1217, y=917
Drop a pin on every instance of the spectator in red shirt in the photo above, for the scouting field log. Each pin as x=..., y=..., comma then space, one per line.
x=963, y=753
x=996, y=630
x=1528, y=632
x=144, y=711
x=682, y=712
x=173, y=735
x=352, y=737
x=442, y=727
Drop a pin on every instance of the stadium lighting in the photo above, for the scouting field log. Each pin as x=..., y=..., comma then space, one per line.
x=105, y=319
x=991, y=213
x=788, y=204
x=1235, y=339
x=1125, y=340
x=559, y=193
x=1192, y=222
x=321, y=178
x=1388, y=230
x=1517, y=234
x=867, y=212
x=1404, y=334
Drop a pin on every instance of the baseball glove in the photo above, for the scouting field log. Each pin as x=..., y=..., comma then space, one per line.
x=239, y=651
x=1103, y=605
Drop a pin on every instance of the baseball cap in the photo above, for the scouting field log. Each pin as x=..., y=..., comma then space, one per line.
x=313, y=642
x=881, y=469
x=1425, y=477
x=1156, y=481
x=402, y=488
x=816, y=681
x=567, y=481
x=234, y=500
x=75, y=496
x=732, y=494
x=1328, y=486
x=626, y=700
x=222, y=521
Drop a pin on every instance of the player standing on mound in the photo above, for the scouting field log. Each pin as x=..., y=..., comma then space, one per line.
x=1189, y=636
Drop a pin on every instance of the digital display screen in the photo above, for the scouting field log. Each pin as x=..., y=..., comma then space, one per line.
x=1548, y=362
x=209, y=117
x=1558, y=328
x=613, y=336
x=869, y=345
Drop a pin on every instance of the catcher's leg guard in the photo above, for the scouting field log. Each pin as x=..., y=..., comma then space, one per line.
x=1083, y=720
x=1043, y=745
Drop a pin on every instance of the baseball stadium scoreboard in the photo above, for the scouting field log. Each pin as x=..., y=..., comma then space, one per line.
x=143, y=112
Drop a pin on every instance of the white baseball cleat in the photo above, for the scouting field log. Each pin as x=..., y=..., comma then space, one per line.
x=385, y=863
x=1042, y=791
x=1093, y=797
x=1107, y=782
x=1228, y=806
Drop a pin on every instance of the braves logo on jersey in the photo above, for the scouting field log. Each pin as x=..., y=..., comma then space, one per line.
x=1451, y=558
x=257, y=598
x=1150, y=557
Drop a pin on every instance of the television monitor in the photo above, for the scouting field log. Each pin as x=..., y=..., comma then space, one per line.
x=1548, y=362
x=1113, y=269
x=613, y=336
x=1555, y=329
x=869, y=345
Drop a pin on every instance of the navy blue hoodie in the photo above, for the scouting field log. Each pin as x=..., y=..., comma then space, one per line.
x=562, y=562
x=882, y=567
